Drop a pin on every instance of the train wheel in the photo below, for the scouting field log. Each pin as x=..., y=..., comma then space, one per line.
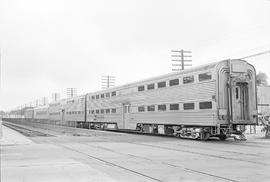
x=204, y=136
x=222, y=137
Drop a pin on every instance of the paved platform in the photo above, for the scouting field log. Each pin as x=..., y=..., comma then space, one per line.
x=42, y=164
x=11, y=137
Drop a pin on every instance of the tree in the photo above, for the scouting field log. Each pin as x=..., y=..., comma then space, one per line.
x=261, y=79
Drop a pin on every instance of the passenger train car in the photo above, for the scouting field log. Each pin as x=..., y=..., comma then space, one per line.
x=217, y=99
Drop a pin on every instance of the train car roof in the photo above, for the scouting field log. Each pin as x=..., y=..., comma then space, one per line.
x=190, y=70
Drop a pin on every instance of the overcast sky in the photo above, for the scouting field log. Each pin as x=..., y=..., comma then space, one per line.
x=49, y=45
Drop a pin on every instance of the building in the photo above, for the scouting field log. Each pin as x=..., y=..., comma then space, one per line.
x=263, y=98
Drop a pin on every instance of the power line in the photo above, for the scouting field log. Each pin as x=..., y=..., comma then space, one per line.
x=257, y=54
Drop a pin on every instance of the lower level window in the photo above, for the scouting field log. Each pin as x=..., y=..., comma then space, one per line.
x=162, y=107
x=151, y=108
x=141, y=109
x=205, y=105
x=188, y=106
x=174, y=107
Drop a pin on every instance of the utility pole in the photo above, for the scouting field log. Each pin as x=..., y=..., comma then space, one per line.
x=180, y=56
x=71, y=92
x=107, y=81
x=55, y=97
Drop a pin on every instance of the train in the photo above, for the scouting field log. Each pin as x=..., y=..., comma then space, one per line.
x=213, y=100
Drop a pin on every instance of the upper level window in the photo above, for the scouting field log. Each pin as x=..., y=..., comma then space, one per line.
x=161, y=84
x=188, y=106
x=174, y=82
x=205, y=105
x=141, y=109
x=162, y=107
x=151, y=108
x=151, y=86
x=188, y=79
x=93, y=97
x=141, y=88
x=174, y=107
x=107, y=94
x=102, y=111
x=114, y=93
x=92, y=111
x=97, y=111
x=113, y=110
x=102, y=95
x=108, y=111
x=205, y=76
x=97, y=96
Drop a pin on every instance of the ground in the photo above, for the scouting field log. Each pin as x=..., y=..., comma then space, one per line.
x=109, y=156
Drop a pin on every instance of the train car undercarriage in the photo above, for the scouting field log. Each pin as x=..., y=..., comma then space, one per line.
x=182, y=131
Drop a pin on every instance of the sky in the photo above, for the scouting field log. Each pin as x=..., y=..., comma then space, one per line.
x=48, y=46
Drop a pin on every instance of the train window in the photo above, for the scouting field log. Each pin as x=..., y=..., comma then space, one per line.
x=188, y=79
x=141, y=88
x=102, y=111
x=92, y=111
x=205, y=105
x=174, y=107
x=205, y=76
x=188, y=106
x=161, y=84
x=174, y=82
x=151, y=108
x=151, y=86
x=107, y=111
x=107, y=94
x=141, y=109
x=79, y=112
x=93, y=97
x=113, y=110
x=97, y=111
x=114, y=93
x=97, y=96
x=236, y=93
x=102, y=95
x=162, y=107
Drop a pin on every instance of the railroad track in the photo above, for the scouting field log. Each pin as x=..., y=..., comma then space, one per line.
x=111, y=163
x=169, y=164
x=26, y=131
x=148, y=177
x=204, y=154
